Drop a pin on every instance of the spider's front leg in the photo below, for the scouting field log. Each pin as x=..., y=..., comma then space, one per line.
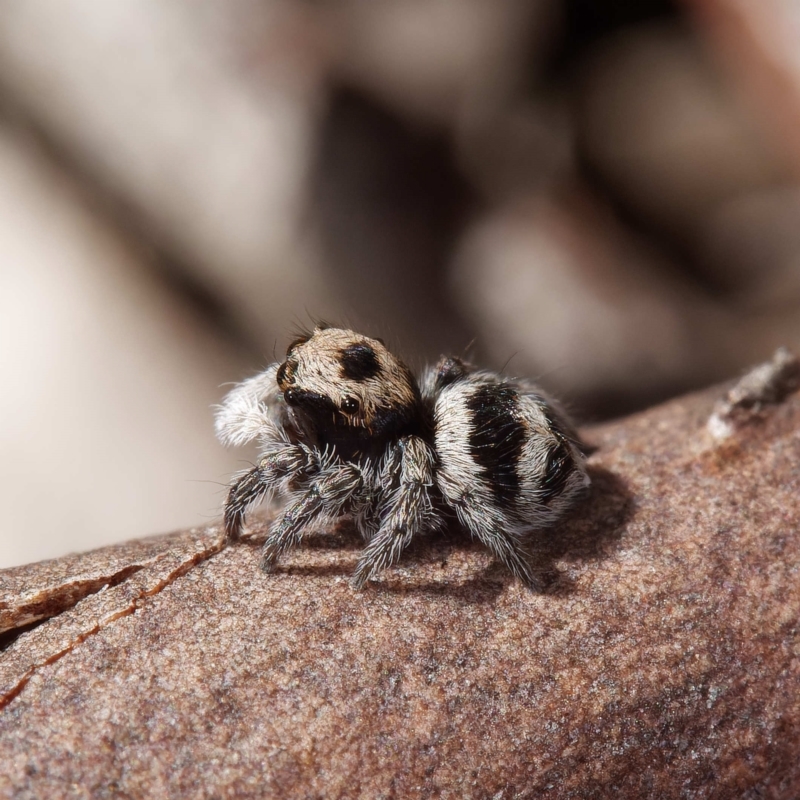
x=327, y=496
x=410, y=512
x=284, y=462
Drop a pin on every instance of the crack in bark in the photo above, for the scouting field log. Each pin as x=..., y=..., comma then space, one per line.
x=56, y=601
x=61, y=634
x=34, y=592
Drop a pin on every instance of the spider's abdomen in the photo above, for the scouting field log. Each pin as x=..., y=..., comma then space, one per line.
x=504, y=452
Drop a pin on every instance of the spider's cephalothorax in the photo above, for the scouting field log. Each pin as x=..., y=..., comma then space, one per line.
x=345, y=430
x=348, y=393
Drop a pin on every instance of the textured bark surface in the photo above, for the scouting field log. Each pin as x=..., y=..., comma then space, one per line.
x=663, y=661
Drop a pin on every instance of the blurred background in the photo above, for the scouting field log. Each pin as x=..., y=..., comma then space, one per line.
x=601, y=194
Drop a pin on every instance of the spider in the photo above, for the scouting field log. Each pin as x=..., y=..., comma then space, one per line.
x=345, y=429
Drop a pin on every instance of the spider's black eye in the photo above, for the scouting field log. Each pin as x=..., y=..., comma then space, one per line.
x=290, y=396
x=350, y=405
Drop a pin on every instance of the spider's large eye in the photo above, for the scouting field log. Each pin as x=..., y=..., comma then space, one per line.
x=350, y=405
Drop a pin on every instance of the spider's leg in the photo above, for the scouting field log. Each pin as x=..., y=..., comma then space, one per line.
x=261, y=481
x=410, y=511
x=326, y=497
x=505, y=540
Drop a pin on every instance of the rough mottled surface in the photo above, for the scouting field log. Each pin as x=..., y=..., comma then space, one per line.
x=663, y=661
x=38, y=591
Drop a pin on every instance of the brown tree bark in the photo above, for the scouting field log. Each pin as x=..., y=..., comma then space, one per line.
x=662, y=661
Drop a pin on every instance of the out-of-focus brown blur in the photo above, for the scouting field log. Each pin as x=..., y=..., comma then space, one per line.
x=603, y=194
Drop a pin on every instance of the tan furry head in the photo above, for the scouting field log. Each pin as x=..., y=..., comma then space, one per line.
x=348, y=375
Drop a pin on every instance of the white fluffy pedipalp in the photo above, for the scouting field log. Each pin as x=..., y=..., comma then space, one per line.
x=245, y=415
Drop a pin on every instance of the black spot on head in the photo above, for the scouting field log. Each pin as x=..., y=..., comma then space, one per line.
x=497, y=438
x=560, y=466
x=359, y=362
x=450, y=370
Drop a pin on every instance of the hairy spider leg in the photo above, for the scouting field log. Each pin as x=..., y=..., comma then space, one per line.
x=262, y=480
x=336, y=487
x=410, y=511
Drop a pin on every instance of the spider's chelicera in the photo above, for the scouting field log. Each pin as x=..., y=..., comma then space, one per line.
x=346, y=430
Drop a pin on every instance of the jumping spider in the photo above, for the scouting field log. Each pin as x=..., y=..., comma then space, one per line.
x=346, y=430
